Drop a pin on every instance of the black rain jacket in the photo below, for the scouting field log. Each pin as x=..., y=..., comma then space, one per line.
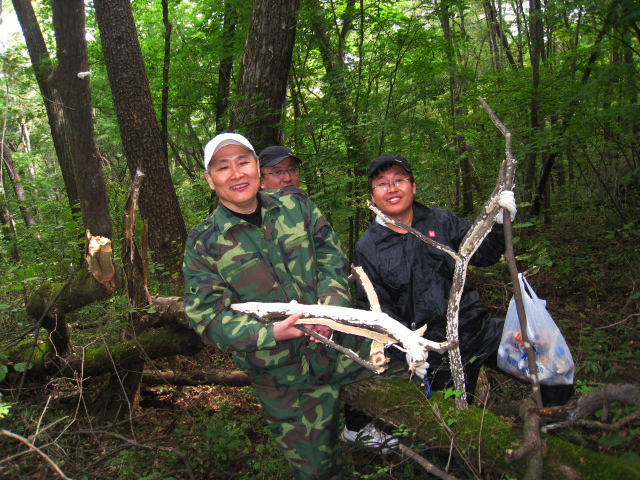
x=413, y=279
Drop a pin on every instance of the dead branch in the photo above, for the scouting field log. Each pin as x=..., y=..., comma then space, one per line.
x=507, y=175
x=424, y=463
x=470, y=243
x=359, y=274
x=368, y=365
x=377, y=326
x=31, y=446
x=575, y=413
x=532, y=446
x=236, y=378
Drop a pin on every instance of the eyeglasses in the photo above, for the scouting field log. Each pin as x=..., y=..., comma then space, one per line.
x=383, y=187
x=279, y=173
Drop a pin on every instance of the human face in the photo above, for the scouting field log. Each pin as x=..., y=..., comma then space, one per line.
x=395, y=201
x=284, y=174
x=235, y=177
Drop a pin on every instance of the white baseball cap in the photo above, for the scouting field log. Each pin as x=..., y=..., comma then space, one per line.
x=222, y=140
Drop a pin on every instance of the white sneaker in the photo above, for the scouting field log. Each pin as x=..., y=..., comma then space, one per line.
x=371, y=437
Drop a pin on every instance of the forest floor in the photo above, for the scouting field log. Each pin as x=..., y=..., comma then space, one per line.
x=219, y=432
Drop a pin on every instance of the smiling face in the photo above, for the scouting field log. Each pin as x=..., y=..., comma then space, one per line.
x=284, y=174
x=235, y=177
x=394, y=201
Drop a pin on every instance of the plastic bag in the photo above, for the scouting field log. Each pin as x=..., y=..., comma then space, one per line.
x=553, y=358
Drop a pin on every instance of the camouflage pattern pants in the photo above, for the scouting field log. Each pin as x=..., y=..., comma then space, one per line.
x=304, y=423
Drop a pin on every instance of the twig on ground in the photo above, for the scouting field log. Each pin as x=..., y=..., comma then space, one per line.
x=35, y=449
x=424, y=463
x=618, y=323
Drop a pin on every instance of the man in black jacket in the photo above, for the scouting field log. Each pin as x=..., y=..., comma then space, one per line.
x=413, y=279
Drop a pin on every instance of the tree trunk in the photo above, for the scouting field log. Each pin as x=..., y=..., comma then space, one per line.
x=141, y=136
x=225, y=70
x=42, y=68
x=68, y=104
x=23, y=203
x=165, y=77
x=265, y=68
x=456, y=90
x=72, y=56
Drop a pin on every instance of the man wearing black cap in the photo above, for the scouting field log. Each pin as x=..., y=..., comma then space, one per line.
x=278, y=168
x=413, y=279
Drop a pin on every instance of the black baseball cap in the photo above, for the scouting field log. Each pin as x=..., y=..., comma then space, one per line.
x=273, y=155
x=387, y=159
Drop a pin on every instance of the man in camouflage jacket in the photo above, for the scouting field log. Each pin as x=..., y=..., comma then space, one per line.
x=273, y=246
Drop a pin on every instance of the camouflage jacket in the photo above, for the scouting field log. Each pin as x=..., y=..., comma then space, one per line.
x=294, y=255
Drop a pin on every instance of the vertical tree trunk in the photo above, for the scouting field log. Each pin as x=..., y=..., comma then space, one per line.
x=23, y=203
x=165, y=76
x=72, y=57
x=225, y=69
x=141, y=137
x=535, y=21
x=42, y=68
x=456, y=88
x=264, y=72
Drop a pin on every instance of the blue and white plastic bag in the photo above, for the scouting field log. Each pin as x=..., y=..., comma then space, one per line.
x=553, y=359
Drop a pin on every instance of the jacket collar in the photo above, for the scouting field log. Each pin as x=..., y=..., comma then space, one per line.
x=381, y=232
x=225, y=219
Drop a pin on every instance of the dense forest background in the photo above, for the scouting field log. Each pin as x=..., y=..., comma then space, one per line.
x=339, y=82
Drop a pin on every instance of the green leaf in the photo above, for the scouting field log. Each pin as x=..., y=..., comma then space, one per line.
x=21, y=367
x=611, y=441
x=4, y=306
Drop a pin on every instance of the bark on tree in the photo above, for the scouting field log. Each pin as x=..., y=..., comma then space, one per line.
x=265, y=68
x=67, y=100
x=225, y=70
x=12, y=172
x=139, y=130
x=165, y=76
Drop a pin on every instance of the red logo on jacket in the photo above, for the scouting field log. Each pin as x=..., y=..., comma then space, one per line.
x=432, y=234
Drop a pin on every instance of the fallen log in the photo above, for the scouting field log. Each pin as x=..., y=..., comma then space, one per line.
x=477, y=434
x=235, y=378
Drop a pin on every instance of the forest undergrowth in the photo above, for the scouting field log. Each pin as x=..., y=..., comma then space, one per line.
x=589, y=282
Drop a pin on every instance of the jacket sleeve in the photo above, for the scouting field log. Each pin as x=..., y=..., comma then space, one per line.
x=491, y=249
x=332, y=265
x=207, y=303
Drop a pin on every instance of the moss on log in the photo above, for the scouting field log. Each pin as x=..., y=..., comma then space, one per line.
x=479, y=433
x=152, y=344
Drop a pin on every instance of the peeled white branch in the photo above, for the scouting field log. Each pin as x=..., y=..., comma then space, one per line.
x=377, y=326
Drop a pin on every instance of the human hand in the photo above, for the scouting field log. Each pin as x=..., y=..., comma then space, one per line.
x=507, y=200
x=418, y=368
x=323, y=330
x=286, y=329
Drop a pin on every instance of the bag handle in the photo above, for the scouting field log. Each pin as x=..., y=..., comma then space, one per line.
x=524, y=283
